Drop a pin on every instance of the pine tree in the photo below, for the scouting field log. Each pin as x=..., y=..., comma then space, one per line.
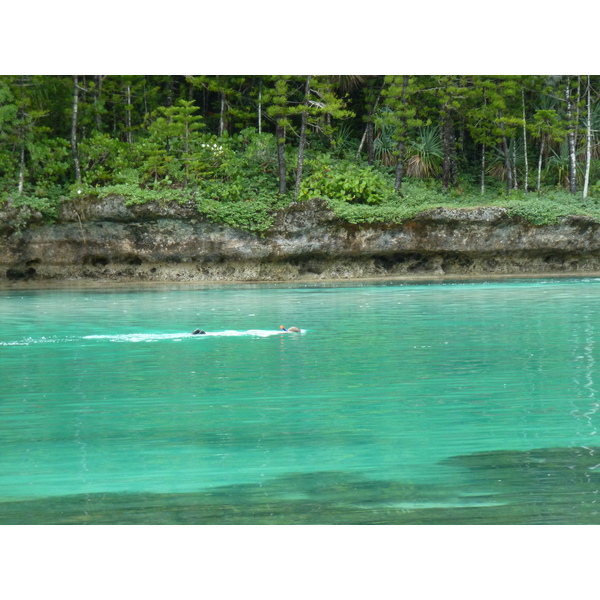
x=548, y=127
x=571, y=137
x=74, y=129
x=373, y=91
x=302, y=143
x=399, y=95
x=588, y=145
x=480, y=119
x=175, y=127
x=232, y=104
x=9, y=128
x=279, y=110
x=494, y=116
x=451, y=94
x=319, y=106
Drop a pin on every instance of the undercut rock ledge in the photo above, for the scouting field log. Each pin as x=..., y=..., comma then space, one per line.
x=110, y=241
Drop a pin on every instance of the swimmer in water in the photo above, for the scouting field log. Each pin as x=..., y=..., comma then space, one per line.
x=198, y=332
x=292, y=329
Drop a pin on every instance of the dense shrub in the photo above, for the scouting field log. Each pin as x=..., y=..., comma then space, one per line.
x=347, y=181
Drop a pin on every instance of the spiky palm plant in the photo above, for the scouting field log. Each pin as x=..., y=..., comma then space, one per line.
x=385, y=144
x=497, y=163
x=343, y=140
x=558, y=166
x=385, y=149
x=425, y=154
x=347, y=83
x=595, y=127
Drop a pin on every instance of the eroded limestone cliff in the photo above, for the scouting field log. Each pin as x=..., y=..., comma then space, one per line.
x=107, y=240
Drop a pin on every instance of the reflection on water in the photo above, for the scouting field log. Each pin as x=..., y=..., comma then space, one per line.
x=441, y=403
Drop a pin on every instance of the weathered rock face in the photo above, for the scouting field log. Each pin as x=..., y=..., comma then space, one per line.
x=107, y=240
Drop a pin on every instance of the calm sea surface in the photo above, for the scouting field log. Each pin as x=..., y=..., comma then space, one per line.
x=441, y=403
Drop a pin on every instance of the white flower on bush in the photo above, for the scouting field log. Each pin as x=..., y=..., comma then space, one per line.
x=214, y=148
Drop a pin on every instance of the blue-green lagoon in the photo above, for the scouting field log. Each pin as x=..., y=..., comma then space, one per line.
x=465, y=402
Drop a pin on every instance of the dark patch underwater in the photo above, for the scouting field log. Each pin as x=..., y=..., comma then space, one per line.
x=542, y=486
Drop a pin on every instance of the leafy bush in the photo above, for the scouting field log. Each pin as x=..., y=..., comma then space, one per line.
x=101, y=156
x=254, y=214
x=132, y=193
x=247, y=203
x=251, y=153
x=47, y=205
x=595, y=189
x=208, y=155
x=243, y=202
x=50, y=163
x=549, y=208
x=344, y=180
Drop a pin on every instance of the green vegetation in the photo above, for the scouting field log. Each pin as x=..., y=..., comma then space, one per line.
x=376, y=148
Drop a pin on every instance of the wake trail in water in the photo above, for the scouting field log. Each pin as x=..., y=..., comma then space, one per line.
x=29, y=341
x=145, y=337
x=155, y=337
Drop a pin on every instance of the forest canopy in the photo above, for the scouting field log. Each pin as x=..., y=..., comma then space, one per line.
x=241, y=147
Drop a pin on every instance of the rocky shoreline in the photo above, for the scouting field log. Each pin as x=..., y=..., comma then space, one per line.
x=108, y=241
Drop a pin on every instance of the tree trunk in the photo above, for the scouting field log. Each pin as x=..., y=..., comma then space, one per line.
x=205, y=94
x=222, y=125
x=514, y=171
x=368, y=134
x=22, y=169
x=280, y=134
x=588, y=152
x=145, y=97
x=399, y=166
x=571, y=142
x=328, y=129
x=302, y=144
x=449, y=165
x=97, y=97
x=170, y=92
x=186, y=149
x=507, y=165
x=82, y=125
x=526, y=182
x=539, y=173
x=260, y=105
x=74, y=129
x=128, y=115
x=483, y=170
x=402, y=142
x=576, y=128
x=370, y=131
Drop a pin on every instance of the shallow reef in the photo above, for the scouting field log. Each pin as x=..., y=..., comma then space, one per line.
x=541, y=486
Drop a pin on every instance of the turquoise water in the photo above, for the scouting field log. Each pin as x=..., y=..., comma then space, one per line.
x=464, y=402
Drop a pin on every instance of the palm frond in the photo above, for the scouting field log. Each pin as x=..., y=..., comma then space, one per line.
x=425, y=154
